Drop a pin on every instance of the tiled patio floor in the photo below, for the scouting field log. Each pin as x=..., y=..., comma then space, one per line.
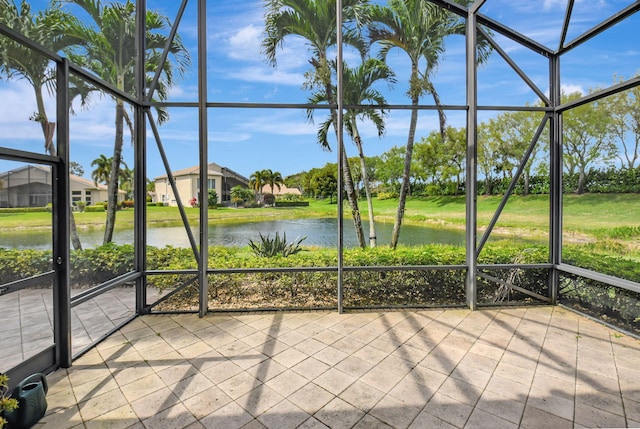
x=542, y=367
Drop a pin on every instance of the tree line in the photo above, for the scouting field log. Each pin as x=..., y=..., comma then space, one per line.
x=601, y=153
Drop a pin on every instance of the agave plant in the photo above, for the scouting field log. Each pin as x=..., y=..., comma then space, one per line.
x=269, y=247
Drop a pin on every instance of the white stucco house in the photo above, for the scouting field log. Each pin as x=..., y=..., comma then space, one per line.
x=187, y=181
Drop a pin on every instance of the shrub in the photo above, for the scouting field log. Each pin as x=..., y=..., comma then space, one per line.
x=26, y=209
x=292, y=203
x=387, y=195
x=212, y=198
x=269, y=247
x=290, y=197
x=128, y=204
x=81, y=205
x=97, y=208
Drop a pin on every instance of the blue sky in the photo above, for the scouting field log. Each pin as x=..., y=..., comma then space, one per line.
x=283, y=140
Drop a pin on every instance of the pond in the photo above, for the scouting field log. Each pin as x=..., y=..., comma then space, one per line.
x=319, y=232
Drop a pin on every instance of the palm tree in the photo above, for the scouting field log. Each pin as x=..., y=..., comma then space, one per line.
x=256, y=182
x=273, y=179
x=103, y=168
x=50, y=29
x=316, y=22
x=111, y=53
x=358, y=90
x=419, y=28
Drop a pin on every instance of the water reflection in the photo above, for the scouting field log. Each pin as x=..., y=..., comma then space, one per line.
x=319, y=232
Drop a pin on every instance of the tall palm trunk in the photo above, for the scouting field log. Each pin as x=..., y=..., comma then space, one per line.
x=346, y=170
x=367, y=189
x=353, y=200
x=44, y=122
x=348, y=185
x=406, y=175
x=112, y=190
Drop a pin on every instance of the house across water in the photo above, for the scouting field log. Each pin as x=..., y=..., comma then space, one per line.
x=31, y=186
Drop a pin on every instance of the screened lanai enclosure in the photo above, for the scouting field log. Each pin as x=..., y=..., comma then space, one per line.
x=408, y=154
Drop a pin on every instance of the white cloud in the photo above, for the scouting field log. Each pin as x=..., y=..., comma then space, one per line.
x=571, y=88
x=228, y=137
x=554, y=4
x=245, y=44
x=265, y=75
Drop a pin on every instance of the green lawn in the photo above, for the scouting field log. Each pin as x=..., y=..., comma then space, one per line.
x=591, y=214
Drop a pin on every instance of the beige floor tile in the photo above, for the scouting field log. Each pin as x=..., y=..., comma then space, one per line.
x=62, y=418
x=310, y=346
x=142, y=387
x=427, y=377
x=370, y=354
x=381, y=379
x=334, y=381
x=191, y=386
x=448, y=409
x=259, y=400
x=412, y=393
x=460, y=391
x=394, y=412
x=284, y=415
x=266, y=370
x=310, y=368
x=553, y=404
x=501, y=406
x=354, y=366
x=254, y=424
x=590, y=416
x=441, y=361
x=311, y=398
x=102, y=404
x=230, y=416
x=330, y=355
x=362, y=396
x=290, y=357
x=483, y=420
x=426, y=420
x=119, y=418
x=153, y=403
x=287, y=382
x=338, y=414
x=222, y=371
x=554, y=386
x=239, y=384
x=533, y=367
x=96, y=387
x=207, y=402
x=472, y=375
x=370, y=422
x=632, y=409
x=313, y=423
x=514, y=373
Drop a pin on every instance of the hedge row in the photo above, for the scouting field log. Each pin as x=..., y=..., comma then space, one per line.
x=292, y=203
x=388, y=287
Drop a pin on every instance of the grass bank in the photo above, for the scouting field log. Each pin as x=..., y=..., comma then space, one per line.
x=593, y=215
